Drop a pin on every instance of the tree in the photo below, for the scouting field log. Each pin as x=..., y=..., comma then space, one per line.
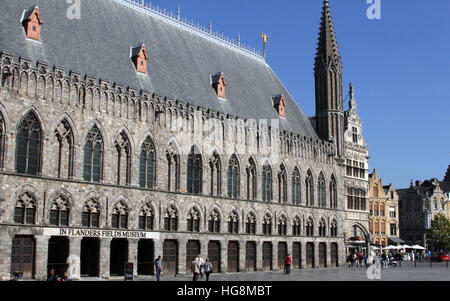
x=438, y=236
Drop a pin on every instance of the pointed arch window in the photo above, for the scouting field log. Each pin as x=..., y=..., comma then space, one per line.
x=251, y=180
x=333, y=193
x=171, y=219
x=233, y=223
x=147, y=164
x=59, y=212
x=309, y=227
x=296, y=187
x=146, y=218
x=233, y=178
x=193, y=221
x=267, y=225
x=194, y=172
x=91, y=214
x=214, y=222
x=2, y=140
x=333, y=228
x=267, y=183
x=322, y=227
x=25, y=209
x=282, y=225
x=250, y=224
x=173, y=169
x=282, y=185
x=123, y=159
x=65, y=149
x=29, y=146
x=93, y=156
x=296, y=226
x=216, y=175
x=309, y=184
x=119, y=219
x=322, y=191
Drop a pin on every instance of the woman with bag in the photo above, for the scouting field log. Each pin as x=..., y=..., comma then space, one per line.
x=208, y=268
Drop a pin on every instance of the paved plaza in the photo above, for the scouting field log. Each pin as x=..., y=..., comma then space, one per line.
x=407, y=272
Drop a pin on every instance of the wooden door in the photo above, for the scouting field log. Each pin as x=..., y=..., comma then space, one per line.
x=322, y=255
x=23, y=256
x=250, y=256
x=310, y=255
x=214, y=255
x=296, y=255
x=233, y=256
x=334, y=255
x=170, y=257
x=282, y=253
x=192, y=250
x=267, y=256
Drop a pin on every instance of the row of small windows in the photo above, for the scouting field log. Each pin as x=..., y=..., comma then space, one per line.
x=25, y=213
x=29, y=161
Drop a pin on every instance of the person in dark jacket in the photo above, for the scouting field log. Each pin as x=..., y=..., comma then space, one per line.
x=52, y=276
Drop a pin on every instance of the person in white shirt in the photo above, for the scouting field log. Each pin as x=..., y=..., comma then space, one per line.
x=201, y=262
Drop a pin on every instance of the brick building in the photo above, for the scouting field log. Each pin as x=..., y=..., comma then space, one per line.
x=131, y=133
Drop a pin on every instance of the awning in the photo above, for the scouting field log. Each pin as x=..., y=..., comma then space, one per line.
x=397, y=240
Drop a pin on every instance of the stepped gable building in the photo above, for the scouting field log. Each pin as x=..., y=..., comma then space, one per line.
x=356, y=178
x=418, y=206
x=132, y=133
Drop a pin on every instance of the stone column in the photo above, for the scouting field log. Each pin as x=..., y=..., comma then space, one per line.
x=105, y=254
x=74, y=258
x=133, y=254
x=328, y=259
x=5, y=255
x=316, y=255
x=259, y=255
x=41, y=257
x=242, y=249
x=182, y=241
x=224, y=250
x=303, y=254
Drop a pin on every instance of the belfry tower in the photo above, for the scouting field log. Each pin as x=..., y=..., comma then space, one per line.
x=328, y=78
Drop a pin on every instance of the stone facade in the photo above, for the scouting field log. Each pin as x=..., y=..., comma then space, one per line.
x=356, y=176
x=68, y=106
x=418, y=205
x=383, y=204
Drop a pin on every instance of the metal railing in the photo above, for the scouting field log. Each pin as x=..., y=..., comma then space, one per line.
x=191, y=26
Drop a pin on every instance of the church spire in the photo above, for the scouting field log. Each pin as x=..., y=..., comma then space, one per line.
x=327, y=48
x=329, y=119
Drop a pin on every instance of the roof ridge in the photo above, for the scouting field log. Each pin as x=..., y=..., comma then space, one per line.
x=191, y=26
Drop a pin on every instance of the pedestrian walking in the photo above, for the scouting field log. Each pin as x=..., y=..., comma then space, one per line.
x=208, y=267
x=158, y=267
x=202, y=262
x=195, y=268
x=288, y=262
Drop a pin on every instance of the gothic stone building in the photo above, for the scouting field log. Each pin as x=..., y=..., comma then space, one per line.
x=419, y=204
x=131, y=133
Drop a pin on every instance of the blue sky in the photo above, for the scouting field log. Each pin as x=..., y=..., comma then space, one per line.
x=399, y=66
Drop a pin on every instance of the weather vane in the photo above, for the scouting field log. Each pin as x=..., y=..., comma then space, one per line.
x=265, y=38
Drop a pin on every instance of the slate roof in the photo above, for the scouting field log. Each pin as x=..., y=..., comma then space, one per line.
x=180, y=62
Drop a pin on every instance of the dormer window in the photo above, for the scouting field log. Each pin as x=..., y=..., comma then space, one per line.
x=218, y=82
x=139, y=56
x=279, y=104
x=32, y=23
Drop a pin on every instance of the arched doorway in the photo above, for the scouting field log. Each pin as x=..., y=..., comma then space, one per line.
x=119, y=256
x=282, y=253
x=192, y=251
x=146, y=255
x=267, y=256
x=233, y=257
x=322, y=255
x=90, y=257
x=358, y=240
x=214, y=255
x=170, y=257
x=58, y=251
x=310, y=255
x=250, y=256
x=296, y=255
